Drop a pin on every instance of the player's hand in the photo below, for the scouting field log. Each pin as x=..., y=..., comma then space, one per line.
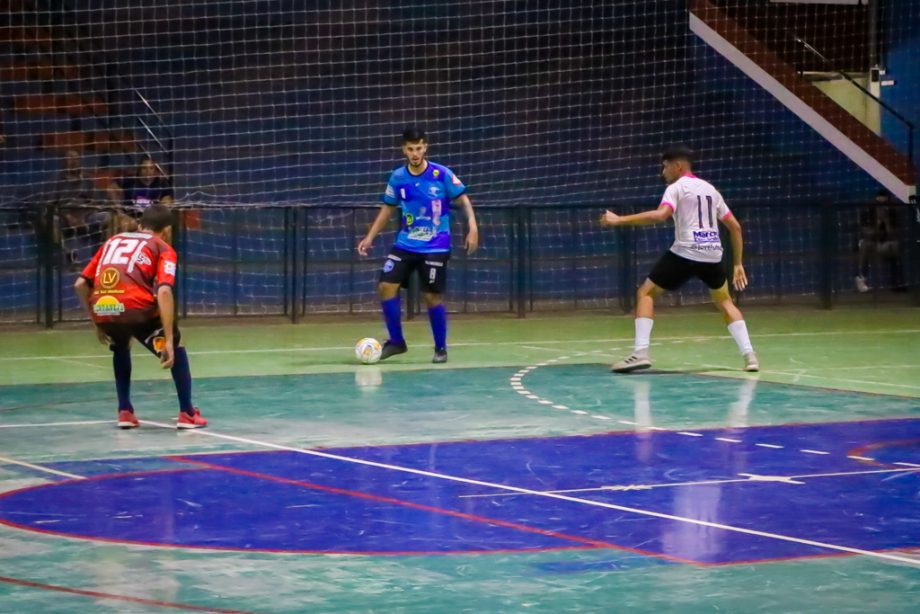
x=609, y=218
x=739, y=278
x=168, y=355
x=364, y=246
x=472, y=241
x=102, y=337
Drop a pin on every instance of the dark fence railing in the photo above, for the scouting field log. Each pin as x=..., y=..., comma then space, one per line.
x=298, y=260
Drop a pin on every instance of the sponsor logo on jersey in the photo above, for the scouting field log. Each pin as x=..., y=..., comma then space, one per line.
x=456, y=180
x=706, y=236
x=108, y=306
x=421, y=233
x=436, y=173
x=434, y=191
x=142, y=258
x=109, y=278
x=390, y=192
x=169, y=268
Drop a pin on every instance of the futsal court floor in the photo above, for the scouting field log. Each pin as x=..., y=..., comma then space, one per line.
x=522, y=476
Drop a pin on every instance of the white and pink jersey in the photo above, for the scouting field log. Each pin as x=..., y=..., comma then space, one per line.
x=698, y=207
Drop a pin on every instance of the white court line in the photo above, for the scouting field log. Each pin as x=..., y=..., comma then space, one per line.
x=13, y=461
x=749, y=477
x=527, y=491
x=81, y=363
x=38, y=424
x=800, y=374
x=489, y=344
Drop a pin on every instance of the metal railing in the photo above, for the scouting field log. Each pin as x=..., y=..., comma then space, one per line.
x=297, y=260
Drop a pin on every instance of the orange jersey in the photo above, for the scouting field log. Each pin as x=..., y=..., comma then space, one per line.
x=125, y=274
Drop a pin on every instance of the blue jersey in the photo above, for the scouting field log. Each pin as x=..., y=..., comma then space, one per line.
x=425, y=203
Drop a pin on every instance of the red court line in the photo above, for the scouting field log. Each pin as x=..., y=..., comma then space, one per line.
x=865, y=449
x=112, y=596
x=114, y=540
x=593, y=543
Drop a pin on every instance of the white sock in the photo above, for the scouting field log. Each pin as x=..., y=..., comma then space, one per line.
x=739, y=332
x=643, y=332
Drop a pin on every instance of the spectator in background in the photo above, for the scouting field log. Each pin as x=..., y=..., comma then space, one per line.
x=82, y=212
x=148, y=186
x=879, y=241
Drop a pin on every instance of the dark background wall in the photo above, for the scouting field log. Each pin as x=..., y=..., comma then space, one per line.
x=537, y=102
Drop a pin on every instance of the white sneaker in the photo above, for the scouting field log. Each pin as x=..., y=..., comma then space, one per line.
x=635, y=361
x=750, y=362
x=861, y=284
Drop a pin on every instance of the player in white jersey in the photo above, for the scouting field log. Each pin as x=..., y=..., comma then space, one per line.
x=697, y=208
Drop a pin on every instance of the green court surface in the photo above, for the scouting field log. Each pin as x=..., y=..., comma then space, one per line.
x=269, y=385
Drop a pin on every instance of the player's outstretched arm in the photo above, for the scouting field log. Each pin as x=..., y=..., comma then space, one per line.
x=167, y=306
x=653, y=216
x=383, y=216
x=739, y=277
x=472, y=235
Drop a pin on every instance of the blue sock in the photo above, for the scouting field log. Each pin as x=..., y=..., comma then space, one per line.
x=121, y=364
x=438, y=317
x=182, y=376
x=392, y=316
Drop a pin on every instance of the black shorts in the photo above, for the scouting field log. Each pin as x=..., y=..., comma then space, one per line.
x=673, y=271
x=432, y=269
x=148, y=332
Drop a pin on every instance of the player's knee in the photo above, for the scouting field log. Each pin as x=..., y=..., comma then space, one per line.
x=720, y=298
x=432, y=299
x=387, y=290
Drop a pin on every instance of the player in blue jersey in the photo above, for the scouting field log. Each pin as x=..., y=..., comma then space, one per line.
x=426, y=192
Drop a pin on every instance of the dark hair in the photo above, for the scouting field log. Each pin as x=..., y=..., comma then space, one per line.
x=156, y=217
x=677, y=152
x=412, y=134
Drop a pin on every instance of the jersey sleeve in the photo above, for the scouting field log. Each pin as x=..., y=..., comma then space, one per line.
x=671, y=197
x=455, y=187
x=722, y=210
x=166, y=268
x=89, y=271
x=389, y=194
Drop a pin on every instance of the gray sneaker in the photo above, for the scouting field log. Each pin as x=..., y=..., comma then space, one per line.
x=750, y=362
x=635, y=361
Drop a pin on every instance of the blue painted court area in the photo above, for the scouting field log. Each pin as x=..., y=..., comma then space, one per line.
x=704, y=497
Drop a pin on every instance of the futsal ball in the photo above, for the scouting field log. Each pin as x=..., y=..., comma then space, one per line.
x=368, y=350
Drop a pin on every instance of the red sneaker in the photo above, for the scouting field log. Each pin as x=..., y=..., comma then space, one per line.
x=185, y=421
x=127, y=419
